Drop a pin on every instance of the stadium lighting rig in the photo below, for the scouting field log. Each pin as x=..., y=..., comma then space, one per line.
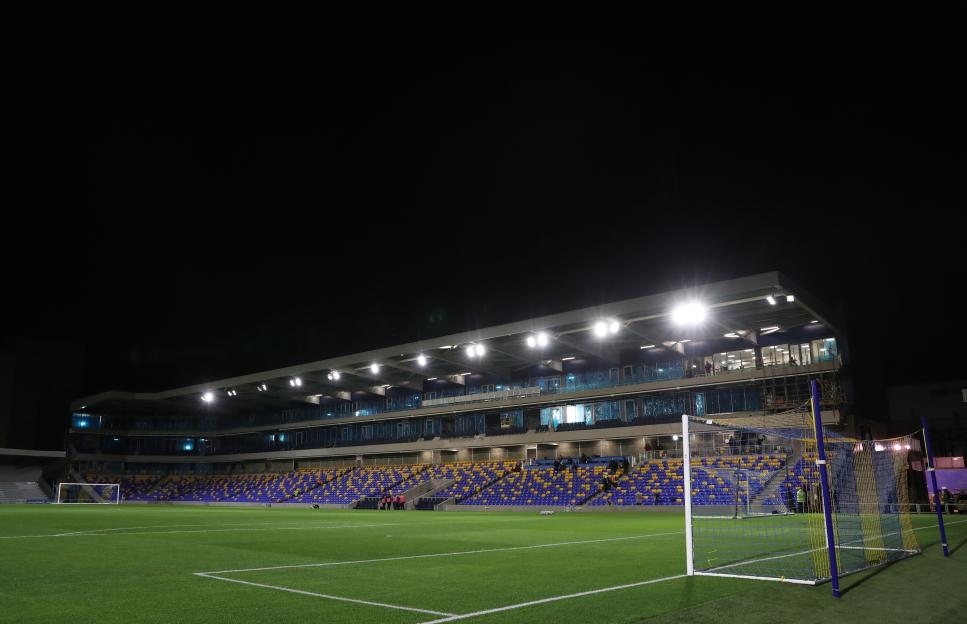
x=475, y=350
x=604, y=327
x=333, y=375
x=296, y=382
x=421, y=360
x=539, y=339
x=692, y=313
x=208, y=397
x=374, y=368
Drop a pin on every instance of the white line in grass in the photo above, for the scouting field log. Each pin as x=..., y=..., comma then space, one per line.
x=261, y=527
x=268, y=526
x=521, y=605
x=326, y=596
x=443, y=554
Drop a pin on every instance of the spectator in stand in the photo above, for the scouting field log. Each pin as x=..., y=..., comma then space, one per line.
x=624, y=465
x=708, y=369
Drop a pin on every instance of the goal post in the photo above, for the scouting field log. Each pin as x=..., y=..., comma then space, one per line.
x=88, y=494
x=778, y=497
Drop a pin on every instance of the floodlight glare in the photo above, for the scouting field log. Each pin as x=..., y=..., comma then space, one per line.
x=688, y=314
x=790, y=298
x=771, y=300
x=531, y=342
x=469, y=351
x=421, y=360
x=208, y=397
x=374, y=368
x=542, y=339
x=600, y=329
x=613, y=327
x=480, y=350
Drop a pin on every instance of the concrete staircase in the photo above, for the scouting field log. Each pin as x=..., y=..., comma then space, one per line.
x=20, y=484
x=433, y=486
x=770, y=491
x=21, y=492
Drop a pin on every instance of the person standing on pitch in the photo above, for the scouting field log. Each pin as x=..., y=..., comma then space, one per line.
x=800, y=499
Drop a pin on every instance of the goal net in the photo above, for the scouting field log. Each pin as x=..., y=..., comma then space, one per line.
x=757, y=506
x=89, y=493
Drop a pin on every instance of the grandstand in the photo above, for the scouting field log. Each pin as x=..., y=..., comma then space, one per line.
x=598, y=382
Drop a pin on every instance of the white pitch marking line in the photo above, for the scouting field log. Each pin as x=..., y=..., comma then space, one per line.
x=327, y=596
x=268, y=526
x=241, y=528
x=521, y=605
x=444, y=554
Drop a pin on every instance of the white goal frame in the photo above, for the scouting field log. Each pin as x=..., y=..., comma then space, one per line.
x=116, y=500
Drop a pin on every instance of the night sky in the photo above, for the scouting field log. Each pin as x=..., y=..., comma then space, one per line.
x=192, y=217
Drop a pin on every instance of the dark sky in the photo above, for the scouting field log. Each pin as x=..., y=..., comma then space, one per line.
x=190, y=217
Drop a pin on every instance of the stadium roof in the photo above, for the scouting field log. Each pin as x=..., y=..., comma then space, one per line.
x=739, y=308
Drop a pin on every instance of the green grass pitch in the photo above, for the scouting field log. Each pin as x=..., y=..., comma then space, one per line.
x=137, y=564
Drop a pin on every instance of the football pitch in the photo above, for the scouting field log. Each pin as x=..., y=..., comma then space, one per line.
x=216, y=564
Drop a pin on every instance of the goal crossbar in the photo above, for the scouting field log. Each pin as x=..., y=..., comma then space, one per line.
x=69, y=493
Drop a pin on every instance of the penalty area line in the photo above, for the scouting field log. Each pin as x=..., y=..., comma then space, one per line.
x=531, y=603
x=318, y=595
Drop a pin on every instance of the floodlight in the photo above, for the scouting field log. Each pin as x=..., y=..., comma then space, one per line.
x=542, y=339
x=790, y=298
x=600, y=329
x=479, y=349
x=771, y=300
x=421, y=360
x=469, y=351
x=613, y=327
x=675, y=437
x=531, y=342
x=374, y=368
x=688, y=314
x=208, y=397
